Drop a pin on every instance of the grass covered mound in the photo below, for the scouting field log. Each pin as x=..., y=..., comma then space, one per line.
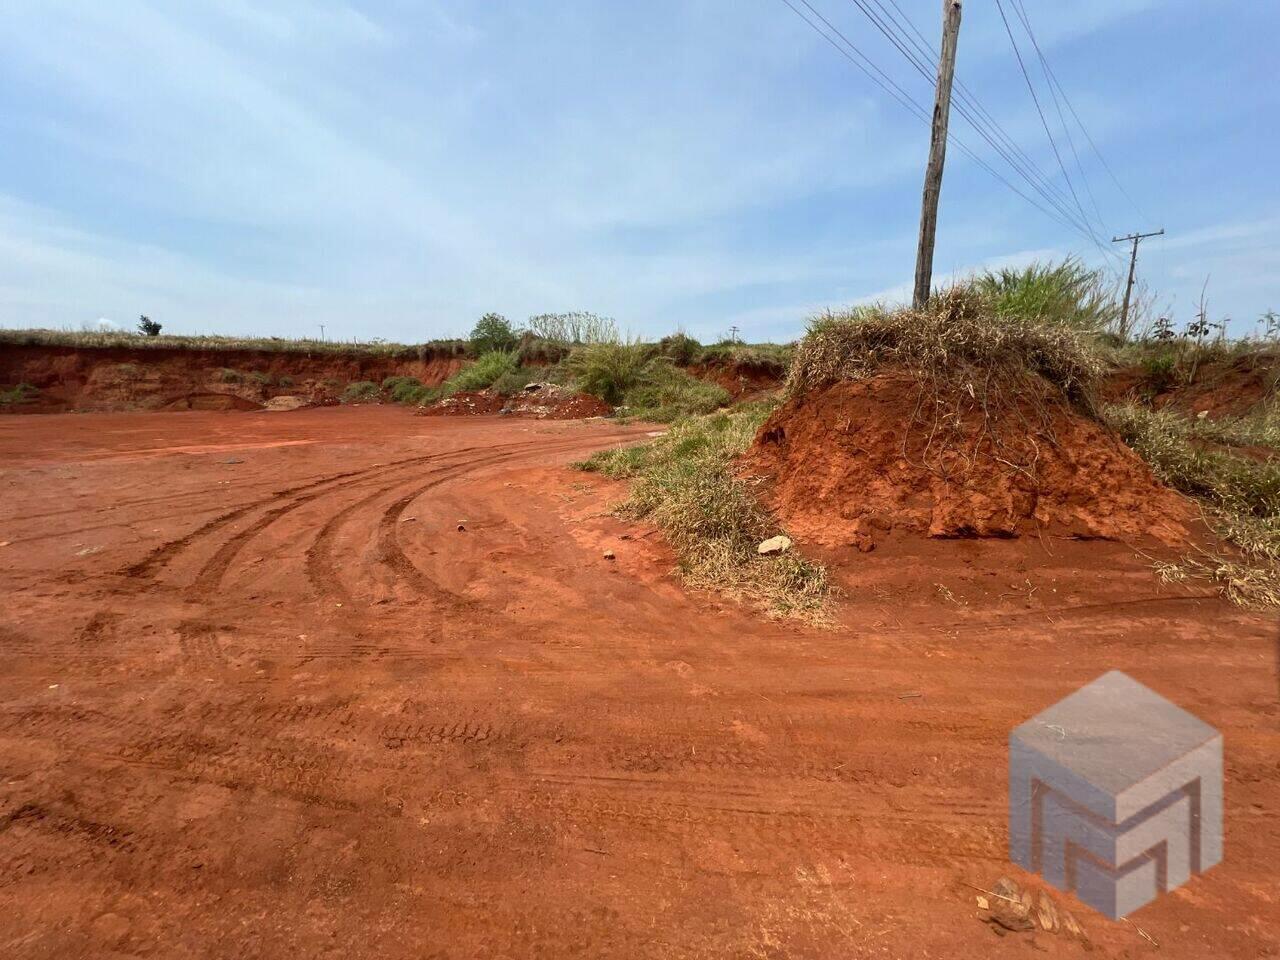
x=958, y=420
x=685, y=483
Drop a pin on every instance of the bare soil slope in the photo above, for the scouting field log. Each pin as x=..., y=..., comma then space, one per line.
x=107, y=379
x=855, y=461
x=260, y=697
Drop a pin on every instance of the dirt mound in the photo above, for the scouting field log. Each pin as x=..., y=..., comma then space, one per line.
x=212, y=401
x=740, y=379
x=542, y=401
x=855, y=461
x=465, y=404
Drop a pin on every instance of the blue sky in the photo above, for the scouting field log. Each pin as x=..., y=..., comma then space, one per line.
x=395, y=168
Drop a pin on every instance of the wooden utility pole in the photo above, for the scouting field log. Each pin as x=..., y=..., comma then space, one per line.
x=1133, y=263
x=937, y=152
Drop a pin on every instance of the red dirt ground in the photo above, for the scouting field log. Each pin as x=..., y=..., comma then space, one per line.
x=259, y=697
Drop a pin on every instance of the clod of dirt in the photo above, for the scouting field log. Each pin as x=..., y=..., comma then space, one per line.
x=609, y=555
x=855, y=460
x=468, y=403
x=778, y=544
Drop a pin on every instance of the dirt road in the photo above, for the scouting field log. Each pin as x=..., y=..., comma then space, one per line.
x=261, y=697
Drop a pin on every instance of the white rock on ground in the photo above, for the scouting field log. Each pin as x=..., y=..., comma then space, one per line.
x=775, y=545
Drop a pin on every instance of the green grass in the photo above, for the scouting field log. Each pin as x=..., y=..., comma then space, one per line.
x=362, y=391
x=1240, y=495
x=669, y=394
x=482, y=373
x=610, y=369
x=22, y=393
x=123, y=339
x=1065, y=294
x=684, y=483
x=773, y=357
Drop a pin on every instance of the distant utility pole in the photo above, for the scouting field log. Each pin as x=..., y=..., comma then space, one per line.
x=1133, y=263
x=937, y=152
x=321, y=332
x=733, y=334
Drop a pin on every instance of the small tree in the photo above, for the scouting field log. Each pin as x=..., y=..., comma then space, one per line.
x=148, y=326
x=492, y=332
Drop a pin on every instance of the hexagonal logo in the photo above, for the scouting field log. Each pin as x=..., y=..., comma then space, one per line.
x=1115, y=794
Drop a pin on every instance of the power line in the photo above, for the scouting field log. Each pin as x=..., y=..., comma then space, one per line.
x=898, y=93
x=1021, y=11
x=1083, y=129
x=991, y=131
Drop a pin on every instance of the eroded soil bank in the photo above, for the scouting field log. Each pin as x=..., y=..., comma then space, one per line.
x=261, y=697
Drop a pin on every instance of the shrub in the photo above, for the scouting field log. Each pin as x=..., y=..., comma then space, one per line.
x=487, y=368
x=670, y=394
x=536, y=350
x=684, y=482
x=149, y=327
x=513, y=381
x=406, y=389
x=260, y=378
x=22, y=393
x=957, y=339
x=1158, y=371
x=492, y=332
x=608, y=370
x=1066, y=294
x=680, y=349
x=360, y=392
x=285, y=381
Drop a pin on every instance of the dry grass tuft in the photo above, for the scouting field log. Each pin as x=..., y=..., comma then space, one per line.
x=1240, y=495
x=685, y=484
x=958, y=339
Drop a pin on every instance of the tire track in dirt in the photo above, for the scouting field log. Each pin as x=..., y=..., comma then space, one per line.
x=167, y=551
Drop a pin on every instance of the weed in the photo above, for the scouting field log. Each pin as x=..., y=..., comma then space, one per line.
x=360, y=392
x=609, y=370
x=684, y=483
x=483, y=372
x=1240, y=495
x=670, y=394
x=22, y=393
x=261, y=379
x=574, y=328
x=1066, y=294
x=227, y=375
x=513, y=381
x=285, y=381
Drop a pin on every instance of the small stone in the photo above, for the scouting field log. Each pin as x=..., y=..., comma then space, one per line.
x=609, y=555
x=461, y=528
x=777, y=544
x=407, y=519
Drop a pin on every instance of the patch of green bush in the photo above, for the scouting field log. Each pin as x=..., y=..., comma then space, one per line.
x=487, y=368
x=227, y=375
x=22, y=393
x=1065, y=294
x=669, y=393
x=609, y=370
x=513, y=381
x=362, y=391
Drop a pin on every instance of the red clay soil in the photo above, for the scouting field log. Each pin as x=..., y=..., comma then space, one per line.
x=465, y=403
x=161, y=378
x=740, y=379
x=857, y=461
x=259, y=697
x=1221, y=388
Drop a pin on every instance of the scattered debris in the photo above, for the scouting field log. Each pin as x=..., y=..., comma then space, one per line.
x=1008, y=908
x=778, y=544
